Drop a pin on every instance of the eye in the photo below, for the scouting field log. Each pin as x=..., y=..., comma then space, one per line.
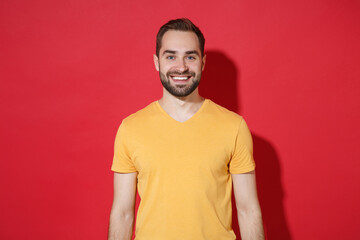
x=170, y=57
x=190, y=57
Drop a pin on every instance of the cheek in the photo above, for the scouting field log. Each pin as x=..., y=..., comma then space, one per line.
x=196, y=67
x=165, y=66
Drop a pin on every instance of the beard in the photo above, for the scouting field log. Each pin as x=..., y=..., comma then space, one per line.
x=180, y=90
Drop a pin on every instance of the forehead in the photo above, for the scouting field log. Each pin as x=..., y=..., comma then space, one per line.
x=180, y=41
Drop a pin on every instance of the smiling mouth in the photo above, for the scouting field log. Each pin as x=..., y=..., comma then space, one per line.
x=180, y=78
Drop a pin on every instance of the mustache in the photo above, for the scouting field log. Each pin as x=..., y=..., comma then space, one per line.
x=187, y=72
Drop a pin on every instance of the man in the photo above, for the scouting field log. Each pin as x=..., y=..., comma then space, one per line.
x=183, y=153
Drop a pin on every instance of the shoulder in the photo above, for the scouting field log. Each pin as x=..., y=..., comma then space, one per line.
x=141, y=116
x=220, y=113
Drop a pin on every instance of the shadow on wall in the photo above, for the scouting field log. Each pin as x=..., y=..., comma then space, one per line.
x=219, y=80
x=270, y=190
x=219, y=83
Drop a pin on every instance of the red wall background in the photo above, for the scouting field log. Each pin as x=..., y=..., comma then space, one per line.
x=71, y=70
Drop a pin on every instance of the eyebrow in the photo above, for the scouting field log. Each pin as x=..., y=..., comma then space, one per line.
x=169, y=51
x=187, y=52
x=193, y=52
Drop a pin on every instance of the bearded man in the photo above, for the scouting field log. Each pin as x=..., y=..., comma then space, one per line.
x=183, y=153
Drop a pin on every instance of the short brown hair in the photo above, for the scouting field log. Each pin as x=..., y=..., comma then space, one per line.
x=180, y=24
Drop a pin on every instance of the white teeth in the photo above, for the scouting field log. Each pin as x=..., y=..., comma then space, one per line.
x=180, y=78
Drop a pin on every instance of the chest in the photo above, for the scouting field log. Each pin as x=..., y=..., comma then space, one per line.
x=177, y=151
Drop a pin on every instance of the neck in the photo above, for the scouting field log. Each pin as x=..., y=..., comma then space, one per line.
x=181, y=108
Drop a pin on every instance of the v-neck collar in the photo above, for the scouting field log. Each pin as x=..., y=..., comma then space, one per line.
x=196, y=115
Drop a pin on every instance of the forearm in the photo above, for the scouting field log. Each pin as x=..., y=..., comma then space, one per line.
x=250, y=223
x=121, y=226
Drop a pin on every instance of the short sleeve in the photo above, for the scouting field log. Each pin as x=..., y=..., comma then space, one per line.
x=122, y=161
x=242, y=160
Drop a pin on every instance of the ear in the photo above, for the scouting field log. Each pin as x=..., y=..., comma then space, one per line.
x=203, y=62
x=156, y=62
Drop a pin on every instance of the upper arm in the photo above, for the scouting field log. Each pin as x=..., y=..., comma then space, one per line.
x=245, y=191
x=124, y=192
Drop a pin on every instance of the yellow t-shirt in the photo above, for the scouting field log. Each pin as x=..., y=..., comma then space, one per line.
x=184, y=168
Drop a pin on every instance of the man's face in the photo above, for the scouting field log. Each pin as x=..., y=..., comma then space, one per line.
x=180, y=62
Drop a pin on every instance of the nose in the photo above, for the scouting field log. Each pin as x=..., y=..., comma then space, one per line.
x=182, y=66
